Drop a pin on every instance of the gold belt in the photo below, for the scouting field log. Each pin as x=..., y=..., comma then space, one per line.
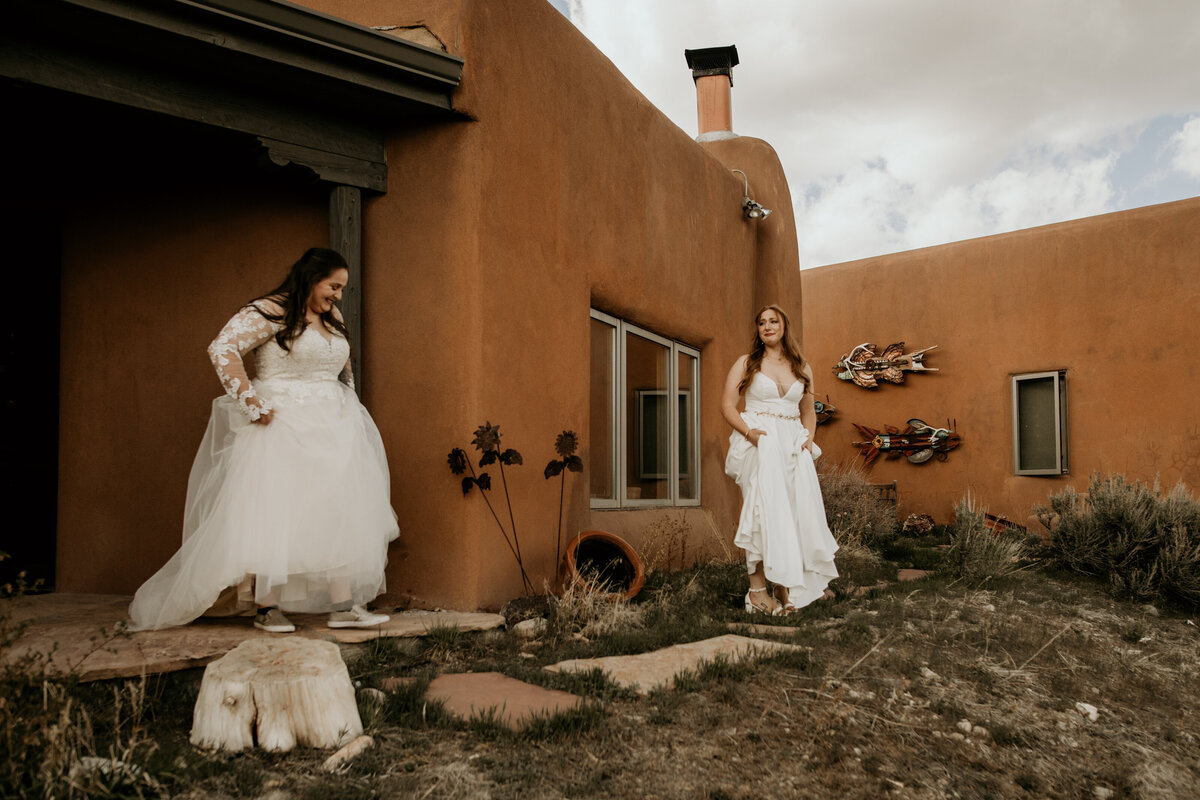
x=776, y=416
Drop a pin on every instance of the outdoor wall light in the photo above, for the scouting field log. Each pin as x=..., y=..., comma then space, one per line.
x=751, y=209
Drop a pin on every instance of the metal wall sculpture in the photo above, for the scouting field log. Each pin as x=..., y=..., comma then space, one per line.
x=919, y=442
x=825, y=411
x=864, y=368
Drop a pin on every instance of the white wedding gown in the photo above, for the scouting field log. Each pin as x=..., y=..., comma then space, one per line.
x=782, y=523
x=300, y=505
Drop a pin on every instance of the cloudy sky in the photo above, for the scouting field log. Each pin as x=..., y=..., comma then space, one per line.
x=906, y=123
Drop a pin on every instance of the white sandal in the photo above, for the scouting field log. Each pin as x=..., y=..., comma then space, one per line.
x=751, y=608
x=787, y=607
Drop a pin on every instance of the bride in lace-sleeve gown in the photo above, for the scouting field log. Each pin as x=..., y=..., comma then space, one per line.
x=782, y=526
x=289, y=492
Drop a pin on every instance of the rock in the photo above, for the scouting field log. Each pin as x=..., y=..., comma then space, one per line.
x=1150, y=610
x=348, y=753
x=1088, y=710
x=396, y=683
x=370, y=695
x=964, y=725
x=958, y=737
x=529, y=628
x=980, y=731
x=1102, y=792
x=275, y=794
x=929, y=674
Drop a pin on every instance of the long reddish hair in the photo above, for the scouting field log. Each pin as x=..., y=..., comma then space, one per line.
x=758, y=349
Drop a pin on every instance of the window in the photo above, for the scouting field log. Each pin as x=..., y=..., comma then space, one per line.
x=645, y=421
x=1040, y=423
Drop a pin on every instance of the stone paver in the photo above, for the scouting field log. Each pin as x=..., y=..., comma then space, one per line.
x=752, y=629
x=911, y=574
x=646, y=671
x=468, y=694
x=75, y=632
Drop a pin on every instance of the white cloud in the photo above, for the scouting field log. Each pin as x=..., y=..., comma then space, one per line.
x=978, y=117
x=1186, y=145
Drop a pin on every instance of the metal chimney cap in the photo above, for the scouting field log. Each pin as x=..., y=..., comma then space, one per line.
x=712, y=61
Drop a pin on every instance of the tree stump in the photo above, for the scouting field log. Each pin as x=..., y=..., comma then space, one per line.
x=276, y=693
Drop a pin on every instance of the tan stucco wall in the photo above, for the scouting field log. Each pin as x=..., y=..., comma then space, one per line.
x=1112, y=299
x=154, y=261
x=569, y=190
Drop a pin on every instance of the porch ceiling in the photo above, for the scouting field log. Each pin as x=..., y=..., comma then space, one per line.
x=325, y=88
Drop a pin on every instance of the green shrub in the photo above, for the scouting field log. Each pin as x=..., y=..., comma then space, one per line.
x=853, y=509
x=1144, y=545
x=976, y=553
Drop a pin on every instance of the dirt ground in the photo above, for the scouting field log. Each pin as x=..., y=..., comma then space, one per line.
x=1040, y=686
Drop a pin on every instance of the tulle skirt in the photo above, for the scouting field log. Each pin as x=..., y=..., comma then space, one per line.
x=301, y=506
x=782, y=523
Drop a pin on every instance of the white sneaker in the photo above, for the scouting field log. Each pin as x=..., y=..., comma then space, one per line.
x=356, y=617
x=273, y=621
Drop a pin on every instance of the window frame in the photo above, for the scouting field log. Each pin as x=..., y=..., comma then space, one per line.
x=619, y=459
x=1061, y=451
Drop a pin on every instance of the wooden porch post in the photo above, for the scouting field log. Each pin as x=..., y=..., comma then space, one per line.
x=345, y=236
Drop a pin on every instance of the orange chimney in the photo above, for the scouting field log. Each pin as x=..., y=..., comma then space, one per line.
x=712, y=70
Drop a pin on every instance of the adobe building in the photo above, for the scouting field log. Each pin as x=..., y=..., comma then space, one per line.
x=532, y=244
x=1062, y=351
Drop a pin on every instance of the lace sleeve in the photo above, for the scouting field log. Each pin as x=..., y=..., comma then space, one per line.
x=247, y=330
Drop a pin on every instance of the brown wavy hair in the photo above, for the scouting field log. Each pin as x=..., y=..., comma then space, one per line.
x=317, y=264
x=758, y=349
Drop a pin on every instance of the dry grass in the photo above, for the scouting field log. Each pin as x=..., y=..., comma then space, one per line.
x=670, y=542
x=931, y=689
x=588, y=611
x=852, y=508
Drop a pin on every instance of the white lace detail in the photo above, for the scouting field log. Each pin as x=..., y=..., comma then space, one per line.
x=248, y=330
x=314, y=367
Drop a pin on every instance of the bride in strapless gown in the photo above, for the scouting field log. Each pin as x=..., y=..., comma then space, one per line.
x=294, y=513
x=782, y=526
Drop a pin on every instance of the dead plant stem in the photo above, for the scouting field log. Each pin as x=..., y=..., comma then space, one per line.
x=865, y=655
x=1043, y=647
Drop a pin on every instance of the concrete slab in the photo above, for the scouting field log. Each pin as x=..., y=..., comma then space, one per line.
x=77, y=633
x=646, y=671
x=515, y=702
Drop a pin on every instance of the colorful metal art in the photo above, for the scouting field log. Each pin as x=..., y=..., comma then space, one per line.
x=919, y=442
x=825, y=411
x=864, y=368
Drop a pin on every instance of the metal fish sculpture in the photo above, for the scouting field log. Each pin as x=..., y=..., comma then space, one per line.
x=919, y=442
x=863, y=367
x=825, y=411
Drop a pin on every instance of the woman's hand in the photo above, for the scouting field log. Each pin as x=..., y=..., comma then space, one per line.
x=754, y=434
x=265, y=415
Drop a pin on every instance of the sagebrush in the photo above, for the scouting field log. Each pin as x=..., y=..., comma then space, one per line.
x=1144, y=544
x=853, y=510
x=978, y=554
